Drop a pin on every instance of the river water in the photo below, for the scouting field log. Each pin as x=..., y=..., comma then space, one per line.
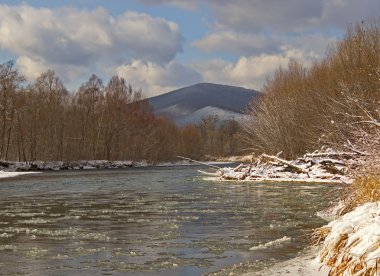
x=151, y=221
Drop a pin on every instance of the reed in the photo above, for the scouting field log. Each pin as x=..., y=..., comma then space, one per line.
x=351, y=243
x=364, y=189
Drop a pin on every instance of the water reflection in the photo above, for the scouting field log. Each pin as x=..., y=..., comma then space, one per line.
x=148, y=221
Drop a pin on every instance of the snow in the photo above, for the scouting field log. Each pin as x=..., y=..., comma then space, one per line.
x=318, y=167
x=272, y=244
x=305, y=265
x=332, y=212
x=4, y=174
x=353, y=242
x=12, y=166
x=352, y=247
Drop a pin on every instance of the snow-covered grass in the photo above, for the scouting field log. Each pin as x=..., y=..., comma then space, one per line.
x=349, y=245
x=352, y=244
x=364, y=189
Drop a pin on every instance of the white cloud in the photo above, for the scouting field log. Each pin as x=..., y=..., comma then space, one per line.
x=68, y=39
x=279, y=15
x=31, y=67
x=155, y=79
x=267, y=15
x=243, y=44
x=340, y=13
x=185, y=4
x=237, y=43
x=250, y=72
x=246, y=27
x=263, y=34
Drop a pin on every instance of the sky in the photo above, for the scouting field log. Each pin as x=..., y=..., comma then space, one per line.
x=161, y=45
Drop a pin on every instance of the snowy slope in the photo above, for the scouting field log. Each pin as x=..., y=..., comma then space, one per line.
x=199, y=114
x=191, y=104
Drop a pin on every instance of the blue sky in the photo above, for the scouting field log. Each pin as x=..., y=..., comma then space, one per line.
x=160, y=45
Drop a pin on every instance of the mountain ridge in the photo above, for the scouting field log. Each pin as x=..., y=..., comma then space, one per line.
x=189, y=104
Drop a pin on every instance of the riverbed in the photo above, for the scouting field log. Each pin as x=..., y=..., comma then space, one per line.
x=152, y=221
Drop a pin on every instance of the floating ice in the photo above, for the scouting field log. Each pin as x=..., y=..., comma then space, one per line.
x=272, y=244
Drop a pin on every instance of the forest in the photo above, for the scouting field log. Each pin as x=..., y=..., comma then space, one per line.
x=44, y=121
x=334, y=102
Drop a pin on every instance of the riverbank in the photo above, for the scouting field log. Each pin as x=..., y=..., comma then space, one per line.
x=63, y=222
x=350, y=243
x=14, y=166
x=4, y=174
x=324, y=166
x=304, y=265
x=350, y=247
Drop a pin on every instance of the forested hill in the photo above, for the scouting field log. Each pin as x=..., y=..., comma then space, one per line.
x=191, y=104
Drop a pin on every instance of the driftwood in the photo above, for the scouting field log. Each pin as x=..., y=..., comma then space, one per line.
x=327, y=166
x=285, y=162
x=198, y=162
x=331, y=154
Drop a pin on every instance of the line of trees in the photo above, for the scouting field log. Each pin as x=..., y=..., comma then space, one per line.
x=43, y=121
x=333, y=102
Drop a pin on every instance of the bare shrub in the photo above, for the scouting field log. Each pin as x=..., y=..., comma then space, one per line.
x=335, y=100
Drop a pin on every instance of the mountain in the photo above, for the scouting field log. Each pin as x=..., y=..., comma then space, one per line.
x=191, y=104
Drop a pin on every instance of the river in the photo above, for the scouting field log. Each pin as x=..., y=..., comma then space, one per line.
x=151, y=221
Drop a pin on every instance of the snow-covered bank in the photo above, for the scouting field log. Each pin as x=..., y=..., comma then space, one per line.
x=327, y=166
x=305, y=265
x=4, y=174
x=352, y=245
x=13, y=166
x=65, y=165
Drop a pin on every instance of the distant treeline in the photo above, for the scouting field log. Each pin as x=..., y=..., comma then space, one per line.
x=43, y=121
x=334, y=102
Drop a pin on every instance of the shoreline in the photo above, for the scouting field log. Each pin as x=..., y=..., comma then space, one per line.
x=9, y=174
x=38, y=166
x=307, y=264
x=350, y=245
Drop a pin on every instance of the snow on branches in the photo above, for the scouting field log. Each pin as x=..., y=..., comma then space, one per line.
x=328, y=166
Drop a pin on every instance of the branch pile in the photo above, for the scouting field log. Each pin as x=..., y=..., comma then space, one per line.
x=320, y=166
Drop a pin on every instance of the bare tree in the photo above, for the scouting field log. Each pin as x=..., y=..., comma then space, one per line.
x=10, y=79
x=89, y=100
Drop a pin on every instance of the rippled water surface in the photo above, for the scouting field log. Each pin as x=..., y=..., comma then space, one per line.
x=151, y=221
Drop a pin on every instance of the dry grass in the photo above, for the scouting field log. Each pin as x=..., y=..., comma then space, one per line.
x=341, y=262
x=351, y=244
x=340, y=247
x=319, y=235
x=364, y=189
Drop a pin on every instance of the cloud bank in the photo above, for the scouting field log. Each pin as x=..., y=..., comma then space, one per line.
x=82, y=41
x=156, y=79
x=251, y=37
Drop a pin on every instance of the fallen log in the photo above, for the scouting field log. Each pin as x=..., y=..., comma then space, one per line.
x=238, y=168
x=325, y=167
x=209, y=173
x=330, y=154
x=332, y=169
x=285, y=162
x=332, y=161
x=195, y=161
